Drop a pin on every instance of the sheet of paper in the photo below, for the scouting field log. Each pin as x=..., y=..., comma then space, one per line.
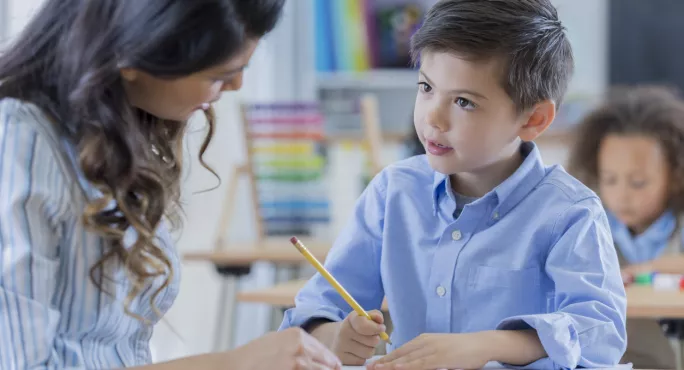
x=360, y=367
x=496, y=366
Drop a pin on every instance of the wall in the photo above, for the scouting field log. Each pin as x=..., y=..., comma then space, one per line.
x=587, y=27
x=277, y=72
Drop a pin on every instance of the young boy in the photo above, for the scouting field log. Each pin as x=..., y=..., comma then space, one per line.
x=483, y=253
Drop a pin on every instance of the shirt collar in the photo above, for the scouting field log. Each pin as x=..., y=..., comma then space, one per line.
x=659, y=231
x=648, y=245
x=510, y=191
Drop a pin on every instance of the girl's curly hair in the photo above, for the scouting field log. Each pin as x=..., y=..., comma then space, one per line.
x=650, y=110
x=68, y=61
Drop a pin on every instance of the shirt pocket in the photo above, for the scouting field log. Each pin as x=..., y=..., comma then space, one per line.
x=497, y=293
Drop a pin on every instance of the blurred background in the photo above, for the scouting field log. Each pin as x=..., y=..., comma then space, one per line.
x=327, y=102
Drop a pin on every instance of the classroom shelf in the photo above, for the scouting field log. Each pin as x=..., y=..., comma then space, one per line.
x=357, y=138
x=368, y=80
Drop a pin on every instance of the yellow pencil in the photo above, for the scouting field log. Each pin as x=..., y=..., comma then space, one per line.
x=340, y=289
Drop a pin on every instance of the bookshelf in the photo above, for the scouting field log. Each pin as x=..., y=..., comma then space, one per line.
x=376, y=79
x=361, y=47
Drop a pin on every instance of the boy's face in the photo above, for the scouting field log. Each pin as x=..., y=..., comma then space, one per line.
x=463, y=116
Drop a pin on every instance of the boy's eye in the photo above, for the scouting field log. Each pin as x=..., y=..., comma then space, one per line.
x=464, y=103
x=424, y=87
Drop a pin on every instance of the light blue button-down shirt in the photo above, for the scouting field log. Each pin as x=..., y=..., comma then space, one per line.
x=51, y=315
x=650, y=244
x=535, y=252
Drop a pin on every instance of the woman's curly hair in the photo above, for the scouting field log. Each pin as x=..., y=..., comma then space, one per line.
x=68, y=62
x=651, y=110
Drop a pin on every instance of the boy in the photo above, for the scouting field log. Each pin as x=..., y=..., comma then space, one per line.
x=483, y=253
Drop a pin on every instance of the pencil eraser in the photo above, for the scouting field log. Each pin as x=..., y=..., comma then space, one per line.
x=293, y=240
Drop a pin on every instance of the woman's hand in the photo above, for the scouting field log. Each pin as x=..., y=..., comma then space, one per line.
x=291, y=349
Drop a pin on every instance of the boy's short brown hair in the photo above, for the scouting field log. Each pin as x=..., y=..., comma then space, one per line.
x=525, y=35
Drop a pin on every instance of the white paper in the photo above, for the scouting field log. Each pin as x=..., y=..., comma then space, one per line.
x=492, y=366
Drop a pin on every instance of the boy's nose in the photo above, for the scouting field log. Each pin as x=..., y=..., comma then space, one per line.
x=439, y=119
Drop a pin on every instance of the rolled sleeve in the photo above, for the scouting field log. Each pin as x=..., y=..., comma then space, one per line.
x=354, y=261
x=557, y=335
x=303, y=315
x=587, y=327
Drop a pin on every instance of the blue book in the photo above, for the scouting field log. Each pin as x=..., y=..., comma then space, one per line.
x=324, y=39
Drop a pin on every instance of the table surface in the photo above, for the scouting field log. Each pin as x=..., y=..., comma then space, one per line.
x=270, y=250
x=642, y=302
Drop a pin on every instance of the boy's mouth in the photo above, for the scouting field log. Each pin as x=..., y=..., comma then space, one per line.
x=438, y=149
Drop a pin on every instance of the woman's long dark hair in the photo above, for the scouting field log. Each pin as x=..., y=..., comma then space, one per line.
x=67, y=62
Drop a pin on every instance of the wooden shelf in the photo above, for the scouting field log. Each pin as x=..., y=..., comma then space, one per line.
x=642, y=302
x=388, y=137
x=555, y=135
x=563, y=135
x=275, y=251
x=281, y=295
x=369, y=80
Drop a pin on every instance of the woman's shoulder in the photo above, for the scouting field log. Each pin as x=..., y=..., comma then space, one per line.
x=27, y=118
x=30, y=143
x=29, y=115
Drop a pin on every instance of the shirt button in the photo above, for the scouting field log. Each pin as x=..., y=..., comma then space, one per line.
x=495, y=215
x=456, y=235
x=441, y=291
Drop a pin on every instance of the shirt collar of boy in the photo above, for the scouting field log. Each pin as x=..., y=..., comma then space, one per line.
x=511, y=191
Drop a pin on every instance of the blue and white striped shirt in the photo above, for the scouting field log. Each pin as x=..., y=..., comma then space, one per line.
x=51, y=314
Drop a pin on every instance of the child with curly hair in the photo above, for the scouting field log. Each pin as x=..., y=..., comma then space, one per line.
x=631, y=150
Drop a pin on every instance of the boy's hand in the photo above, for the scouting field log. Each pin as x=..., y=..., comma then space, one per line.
x=465, y=351
x=357, y=338
x=438, y=351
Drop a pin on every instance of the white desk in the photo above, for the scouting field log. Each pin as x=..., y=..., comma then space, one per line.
x=497, y=366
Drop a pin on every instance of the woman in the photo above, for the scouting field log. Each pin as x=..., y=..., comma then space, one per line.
x=94, y=98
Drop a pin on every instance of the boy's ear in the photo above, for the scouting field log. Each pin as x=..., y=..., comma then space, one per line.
x=538, y=120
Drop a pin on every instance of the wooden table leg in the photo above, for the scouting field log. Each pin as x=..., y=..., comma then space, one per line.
x=225, y=330
x=677, y=347
x=282, y=274
x=674, y=331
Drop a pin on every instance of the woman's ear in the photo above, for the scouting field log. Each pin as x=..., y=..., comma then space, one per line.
x=128, y=74
x=540, y=118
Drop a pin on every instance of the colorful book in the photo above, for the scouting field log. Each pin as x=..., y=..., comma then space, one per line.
x=324, y=40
